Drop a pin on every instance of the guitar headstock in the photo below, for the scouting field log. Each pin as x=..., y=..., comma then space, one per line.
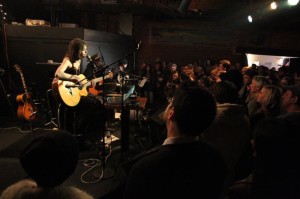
x=18, y=68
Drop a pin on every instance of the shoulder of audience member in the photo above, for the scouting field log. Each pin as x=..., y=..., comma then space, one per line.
x=127, y=165
x=241, y=189
x=19, y=190
x=69, y=192
x=28, y=189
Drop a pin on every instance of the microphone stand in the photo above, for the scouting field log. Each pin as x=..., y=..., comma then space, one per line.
x=105, y=172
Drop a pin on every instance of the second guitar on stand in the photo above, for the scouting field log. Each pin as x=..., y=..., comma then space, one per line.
x=26, y=108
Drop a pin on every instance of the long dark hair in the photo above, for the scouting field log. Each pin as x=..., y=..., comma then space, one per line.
x=75, y=46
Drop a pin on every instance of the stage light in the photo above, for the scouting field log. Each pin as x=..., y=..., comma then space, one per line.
x=293, y=2
x=273, y=5
x=250, y=18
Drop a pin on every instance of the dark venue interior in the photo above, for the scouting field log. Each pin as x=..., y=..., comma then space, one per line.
x=142, y=31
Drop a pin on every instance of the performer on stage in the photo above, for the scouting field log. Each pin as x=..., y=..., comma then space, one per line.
x=121, y=73
x=90, y=112
x=95, y=69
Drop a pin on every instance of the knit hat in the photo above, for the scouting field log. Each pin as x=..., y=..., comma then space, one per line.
x=50, y=158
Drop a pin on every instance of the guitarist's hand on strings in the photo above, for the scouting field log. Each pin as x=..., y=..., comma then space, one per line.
x=76, y=79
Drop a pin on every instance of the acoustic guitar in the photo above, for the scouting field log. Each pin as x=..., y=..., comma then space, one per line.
x=26, y=107
x=70, y=93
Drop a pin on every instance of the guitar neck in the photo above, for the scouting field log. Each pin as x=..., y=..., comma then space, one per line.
x=23, y=82
x=96, y=80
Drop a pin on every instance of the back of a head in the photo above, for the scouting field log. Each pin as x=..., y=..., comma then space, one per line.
x=50, y=158
x=236, y=77
x=226, y=64
x=123, y=62
x=251, y=73
x=261, y=80
x=195, y=108
x=225, y=92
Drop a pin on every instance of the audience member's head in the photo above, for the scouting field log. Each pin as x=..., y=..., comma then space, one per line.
x=244, y=69
x=248, y=75
x=190, y=103
x=224, y=65
x=257, y=83
x=290, y=99
x=50, y=158
x=225, y=92
x=286, y=81
x=205, y=82
x=263, y=70
x=235, y=76
x=269, y=99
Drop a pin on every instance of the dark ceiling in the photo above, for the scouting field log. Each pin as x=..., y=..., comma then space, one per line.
x=227, y=11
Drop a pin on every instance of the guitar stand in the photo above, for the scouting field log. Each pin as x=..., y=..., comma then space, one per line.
x=52, y=122
x=52, y=119
x=30, y=123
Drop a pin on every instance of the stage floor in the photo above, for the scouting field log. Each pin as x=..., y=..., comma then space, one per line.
x=15, y=135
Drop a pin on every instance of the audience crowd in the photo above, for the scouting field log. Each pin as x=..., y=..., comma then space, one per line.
x=255, y=104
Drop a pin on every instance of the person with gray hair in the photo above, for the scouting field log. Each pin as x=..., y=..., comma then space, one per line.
x=256, y=85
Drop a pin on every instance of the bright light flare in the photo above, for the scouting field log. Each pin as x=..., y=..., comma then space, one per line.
x=250, y=18
x=273, y=5
x=293, y=2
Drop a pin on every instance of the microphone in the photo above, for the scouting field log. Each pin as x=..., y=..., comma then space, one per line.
x=89, y=58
